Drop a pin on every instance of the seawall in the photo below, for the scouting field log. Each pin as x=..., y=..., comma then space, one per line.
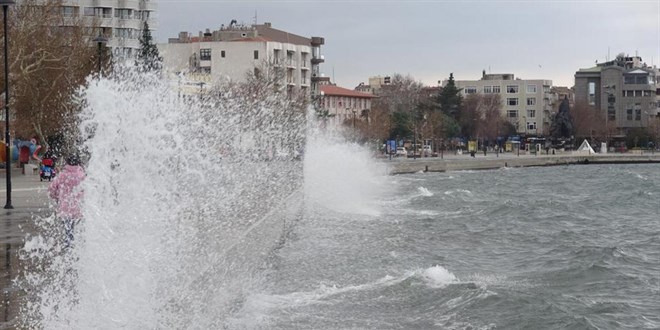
x=493, y=161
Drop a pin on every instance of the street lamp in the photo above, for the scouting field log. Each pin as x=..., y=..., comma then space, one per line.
x=354, y=133
x=5, y=5
x=100, y=40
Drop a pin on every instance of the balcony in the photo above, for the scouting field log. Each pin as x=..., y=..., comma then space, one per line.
x=318, y=60
x=129, y=4
x=149, y=5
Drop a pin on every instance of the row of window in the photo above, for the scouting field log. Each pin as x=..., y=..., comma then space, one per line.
x=636, y=108
x=510, y=89
x=205, y=55
x=513, y=101
x=126, y=33
x=637, y=79
x=638, y=93
x=514, y=113
x=344, y=102
x=105, y=12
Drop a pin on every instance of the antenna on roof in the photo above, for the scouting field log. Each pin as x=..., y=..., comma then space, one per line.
x=255, y=17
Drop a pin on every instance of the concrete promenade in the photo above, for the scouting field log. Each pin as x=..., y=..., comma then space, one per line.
x=29, y=198
x=452, y=162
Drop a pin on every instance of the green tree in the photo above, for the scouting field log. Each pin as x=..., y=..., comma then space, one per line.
x=450, y=98
x=401, y=124
x=148, y=58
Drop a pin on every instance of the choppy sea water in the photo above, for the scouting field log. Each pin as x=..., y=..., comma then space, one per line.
x=567, y=247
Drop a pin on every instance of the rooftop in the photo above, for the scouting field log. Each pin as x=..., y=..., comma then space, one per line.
x=339, y=91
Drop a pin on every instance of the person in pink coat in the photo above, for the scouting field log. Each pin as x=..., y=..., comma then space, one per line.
x=66, y=191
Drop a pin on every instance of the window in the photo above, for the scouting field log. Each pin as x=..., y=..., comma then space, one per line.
x=276, y=55
x=531, y=125
x=303, y=60
x=256, y=54
x=512, y=101
x=205, y=54
x=638, y=111
x=648, y=93
x=488, y=89
x=512, y=113
x=592, y=93
x=637, y=79
x=628, y=93
x=531, y=89
x=531, y=113
x=531, y=101
x=512, y=89
x=124, y=13
x=222, y=53
x=470, y=90
x=68, y=11
x=496, y=89
x=629, y=112
x=88, y=11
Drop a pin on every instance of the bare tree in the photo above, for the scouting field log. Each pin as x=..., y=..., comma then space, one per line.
x=589, y=122
x=50, y=57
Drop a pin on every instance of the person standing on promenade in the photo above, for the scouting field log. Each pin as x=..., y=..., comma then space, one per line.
x=66, y=192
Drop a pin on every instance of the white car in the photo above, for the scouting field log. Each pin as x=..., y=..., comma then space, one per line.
x=426, y=151
x=401, y=151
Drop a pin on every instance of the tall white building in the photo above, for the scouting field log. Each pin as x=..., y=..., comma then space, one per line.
x=120, y=21
x=526, y=103
x=235, y=50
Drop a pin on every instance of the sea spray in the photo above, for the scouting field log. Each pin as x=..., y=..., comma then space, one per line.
x=178, y=209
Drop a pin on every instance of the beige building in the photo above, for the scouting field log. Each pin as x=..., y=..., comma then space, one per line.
x=233, y=51
x=526, y=103
x=121, y=21
x=624, y=89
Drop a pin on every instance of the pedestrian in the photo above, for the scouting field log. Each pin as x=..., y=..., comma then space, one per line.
x=66, y=192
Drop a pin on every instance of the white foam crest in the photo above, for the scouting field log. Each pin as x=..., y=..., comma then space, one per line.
x=424, y=192
x=458, y=191
x=342, y=175
x=438, y=277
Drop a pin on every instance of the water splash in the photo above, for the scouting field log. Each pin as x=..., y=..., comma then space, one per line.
x=341, y=175
x=184, y=199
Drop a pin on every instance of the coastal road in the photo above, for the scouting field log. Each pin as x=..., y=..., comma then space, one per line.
x=29, y=198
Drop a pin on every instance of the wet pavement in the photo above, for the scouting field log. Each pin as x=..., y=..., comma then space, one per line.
x=29, y=198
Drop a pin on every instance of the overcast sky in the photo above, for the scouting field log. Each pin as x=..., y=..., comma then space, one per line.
x=429, y=39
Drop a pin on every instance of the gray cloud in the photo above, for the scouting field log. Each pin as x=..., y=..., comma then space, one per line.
x=430, y=39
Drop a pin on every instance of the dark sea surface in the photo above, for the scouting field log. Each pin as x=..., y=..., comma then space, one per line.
x=566, y=247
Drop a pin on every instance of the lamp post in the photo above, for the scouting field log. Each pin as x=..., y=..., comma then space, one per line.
x=354, y=133
x=100, y=40
x=5, y=5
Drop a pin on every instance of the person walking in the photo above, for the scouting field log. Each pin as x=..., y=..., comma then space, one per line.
x=66, y=192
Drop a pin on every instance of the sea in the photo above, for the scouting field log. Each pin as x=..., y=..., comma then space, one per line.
x=565, y=247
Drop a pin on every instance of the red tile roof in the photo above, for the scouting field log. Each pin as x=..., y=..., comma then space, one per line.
x=330, y=90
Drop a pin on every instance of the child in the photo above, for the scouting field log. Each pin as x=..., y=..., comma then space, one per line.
x=66, y=192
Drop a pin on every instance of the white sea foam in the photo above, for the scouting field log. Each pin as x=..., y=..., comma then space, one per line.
x=424, y=192
x=438, y=277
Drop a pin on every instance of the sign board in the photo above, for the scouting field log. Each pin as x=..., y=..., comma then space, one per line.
x=472, y=146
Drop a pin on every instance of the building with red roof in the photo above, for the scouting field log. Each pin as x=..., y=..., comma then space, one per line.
x=344, y=103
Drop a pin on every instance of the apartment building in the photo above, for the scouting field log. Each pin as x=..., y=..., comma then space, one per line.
x=526, y=103
x=344, y=103
x=121, y=21
x=624, y=89
x=233, y=51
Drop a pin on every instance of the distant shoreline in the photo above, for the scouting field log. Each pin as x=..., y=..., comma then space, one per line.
x=493, y=161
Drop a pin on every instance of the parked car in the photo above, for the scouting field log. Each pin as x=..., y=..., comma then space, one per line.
x=401, y=151
x=426, y=151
